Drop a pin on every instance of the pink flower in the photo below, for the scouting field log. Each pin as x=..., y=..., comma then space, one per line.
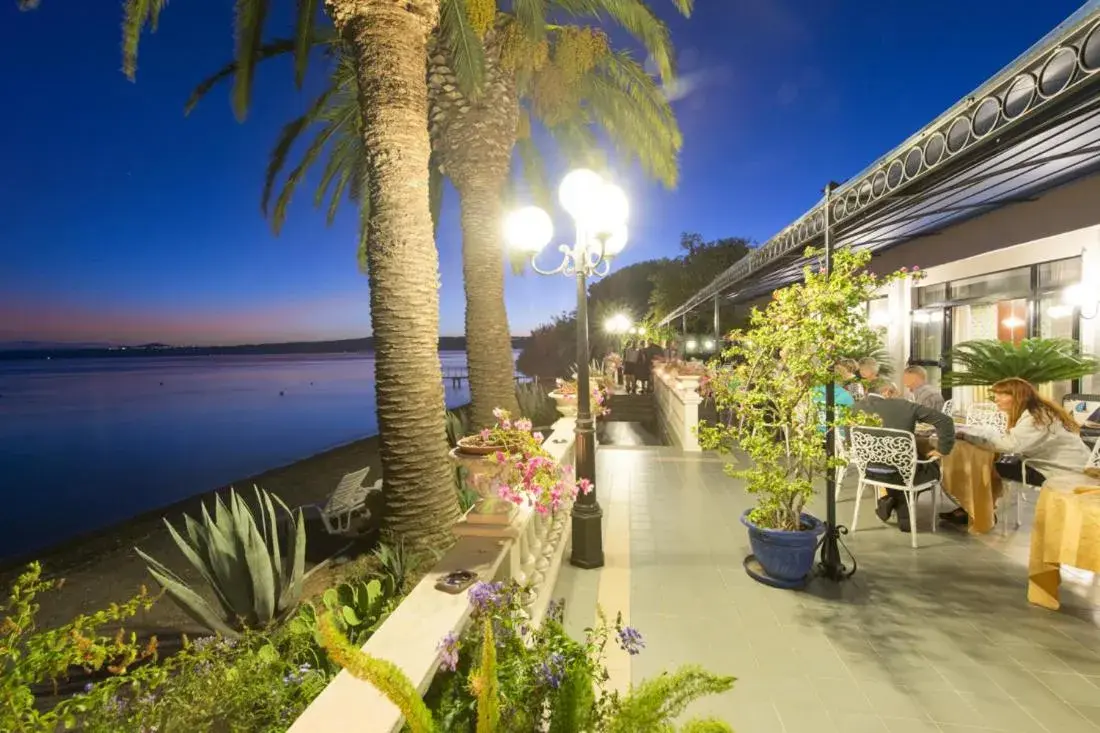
x=485, y=433
x=585, y=486
x=498, y=413
x=538, y=436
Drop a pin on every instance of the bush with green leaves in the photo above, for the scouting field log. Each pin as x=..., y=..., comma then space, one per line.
x=774, y=380
x=32, y=658
x=1039, y=361
x=358, y=607
x=242, y=562
x=504, y=676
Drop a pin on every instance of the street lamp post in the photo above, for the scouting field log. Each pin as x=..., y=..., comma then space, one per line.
x=599, y=210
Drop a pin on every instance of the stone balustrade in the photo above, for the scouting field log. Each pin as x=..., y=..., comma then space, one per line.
x=677, y=400
x=529, y=550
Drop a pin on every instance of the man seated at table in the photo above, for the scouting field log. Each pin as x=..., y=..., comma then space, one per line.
x=915, y=379
x=883, y=400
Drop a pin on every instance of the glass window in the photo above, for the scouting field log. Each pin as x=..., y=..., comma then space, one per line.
x=1060, y=273
x=931, y=294
x=1055, y=321
x=927, y=335
x=1003, y=284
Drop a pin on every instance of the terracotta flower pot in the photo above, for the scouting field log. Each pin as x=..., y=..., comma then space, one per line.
x=469, y=446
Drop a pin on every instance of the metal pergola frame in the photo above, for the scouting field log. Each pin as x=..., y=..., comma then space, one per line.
x=1033, y=126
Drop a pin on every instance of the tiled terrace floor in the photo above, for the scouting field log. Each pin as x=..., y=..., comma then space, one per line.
x=940, y=639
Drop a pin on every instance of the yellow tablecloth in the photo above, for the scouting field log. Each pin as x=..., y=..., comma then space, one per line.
x=1066, y=532
x=969, y=477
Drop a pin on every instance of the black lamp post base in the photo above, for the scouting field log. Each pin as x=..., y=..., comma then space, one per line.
x=831, y=567
x=587, y=537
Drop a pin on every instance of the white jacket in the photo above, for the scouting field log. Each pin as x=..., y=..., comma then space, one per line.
x=1050, y=449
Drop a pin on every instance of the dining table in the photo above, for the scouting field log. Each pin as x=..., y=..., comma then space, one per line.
x=1066, y=531
x=968, y=474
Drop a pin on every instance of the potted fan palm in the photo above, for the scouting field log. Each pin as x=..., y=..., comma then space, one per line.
x=1038, y=360
x=773, y=383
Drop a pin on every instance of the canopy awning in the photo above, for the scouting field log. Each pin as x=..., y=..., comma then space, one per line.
x=1033, y=126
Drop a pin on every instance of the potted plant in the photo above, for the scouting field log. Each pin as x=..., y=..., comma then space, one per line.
x=1039, y=361
x=773, y=385
x=566, y=398
x=484, y=472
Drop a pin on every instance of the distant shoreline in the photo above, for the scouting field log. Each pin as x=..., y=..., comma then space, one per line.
x=345, y=346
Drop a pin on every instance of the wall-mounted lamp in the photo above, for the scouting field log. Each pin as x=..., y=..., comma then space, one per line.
x=709, y=345
x=691, y=345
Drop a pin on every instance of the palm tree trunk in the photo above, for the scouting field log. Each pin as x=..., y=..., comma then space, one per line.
x=389, y=39
x=488, y=339
x=474, y=137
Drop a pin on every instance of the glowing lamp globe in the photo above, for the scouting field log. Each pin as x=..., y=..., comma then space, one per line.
x=528, y=229
x=611, y=211
x=579, y=193
x=614, y=242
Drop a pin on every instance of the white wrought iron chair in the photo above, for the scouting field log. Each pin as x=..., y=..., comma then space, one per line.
x=1017, y=488
x=348, y=500
x=986, y=414
x=897, y=450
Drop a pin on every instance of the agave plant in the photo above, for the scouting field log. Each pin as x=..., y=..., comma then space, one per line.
x=458, y=426
x=983, y=362
x=535, y=405
x=242, y=561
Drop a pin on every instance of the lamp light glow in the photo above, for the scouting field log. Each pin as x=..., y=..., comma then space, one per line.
x=618, y=323
x=610, y=210
x=578, y=193
x=692, y=345
x=613, y=244
x=528, y=229
x=1012, y=322
x=1060, y=311
x=708, y=344
x=1074, y=295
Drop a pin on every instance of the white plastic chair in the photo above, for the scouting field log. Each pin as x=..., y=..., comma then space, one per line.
x=897, y=450
x=1016, y=487
x=986, y=414
x=349, y=499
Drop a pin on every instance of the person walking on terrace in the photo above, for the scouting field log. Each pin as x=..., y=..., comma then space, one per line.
x=630, y=367
x=915, y=379
x=901, y=414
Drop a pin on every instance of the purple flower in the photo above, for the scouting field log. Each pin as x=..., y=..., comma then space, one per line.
x=448, y=652
x=88, y=687
x=552, y=671
x=630, y=641
x=487, y=597
x=555, y=611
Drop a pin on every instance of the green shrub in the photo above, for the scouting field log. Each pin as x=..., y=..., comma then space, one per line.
x=535, y=405
x=1039, y=361
x=506, y=677
x=31, y=657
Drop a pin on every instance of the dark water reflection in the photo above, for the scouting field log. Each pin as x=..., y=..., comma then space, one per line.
x=85, y=443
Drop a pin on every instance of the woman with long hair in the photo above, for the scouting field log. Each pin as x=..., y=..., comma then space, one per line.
x=1039, y=431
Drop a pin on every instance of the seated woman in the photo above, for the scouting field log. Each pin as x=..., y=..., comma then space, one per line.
x=1039, y=432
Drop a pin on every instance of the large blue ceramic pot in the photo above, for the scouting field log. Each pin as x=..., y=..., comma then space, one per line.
x=786, y=556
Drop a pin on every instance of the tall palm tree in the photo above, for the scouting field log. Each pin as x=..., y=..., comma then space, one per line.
x=386, y=41
x=486, y=84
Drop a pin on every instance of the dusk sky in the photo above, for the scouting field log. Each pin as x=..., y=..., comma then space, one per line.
x=123, y=221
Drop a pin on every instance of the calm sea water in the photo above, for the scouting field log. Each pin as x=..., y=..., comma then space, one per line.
x=85, y=443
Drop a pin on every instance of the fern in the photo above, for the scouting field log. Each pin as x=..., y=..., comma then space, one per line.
x=654, y=704
x=1039, y=361
x=384, y=675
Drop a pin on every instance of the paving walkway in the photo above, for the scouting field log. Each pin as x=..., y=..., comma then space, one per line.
x=935, y=640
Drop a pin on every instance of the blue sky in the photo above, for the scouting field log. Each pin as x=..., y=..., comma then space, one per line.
x=124, y=221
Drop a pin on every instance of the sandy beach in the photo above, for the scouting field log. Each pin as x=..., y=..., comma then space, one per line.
x=102, y=568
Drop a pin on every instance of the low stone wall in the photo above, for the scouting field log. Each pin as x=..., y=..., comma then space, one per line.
x=677, y=408
x=528, y=550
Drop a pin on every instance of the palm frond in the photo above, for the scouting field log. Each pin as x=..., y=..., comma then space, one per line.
x=304, y=33
x=1039, y=361
x=531, y=16
x=248, y=27
x=465, y=50
x=267, y=51
x=136, y=15
x=639, y=20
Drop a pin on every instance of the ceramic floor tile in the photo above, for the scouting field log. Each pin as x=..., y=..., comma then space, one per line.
x=932, y=640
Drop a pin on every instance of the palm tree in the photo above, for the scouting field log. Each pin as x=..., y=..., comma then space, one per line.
x=386, y=43
x=486, y=84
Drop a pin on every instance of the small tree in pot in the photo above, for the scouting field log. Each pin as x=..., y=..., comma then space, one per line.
x=773, y=384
